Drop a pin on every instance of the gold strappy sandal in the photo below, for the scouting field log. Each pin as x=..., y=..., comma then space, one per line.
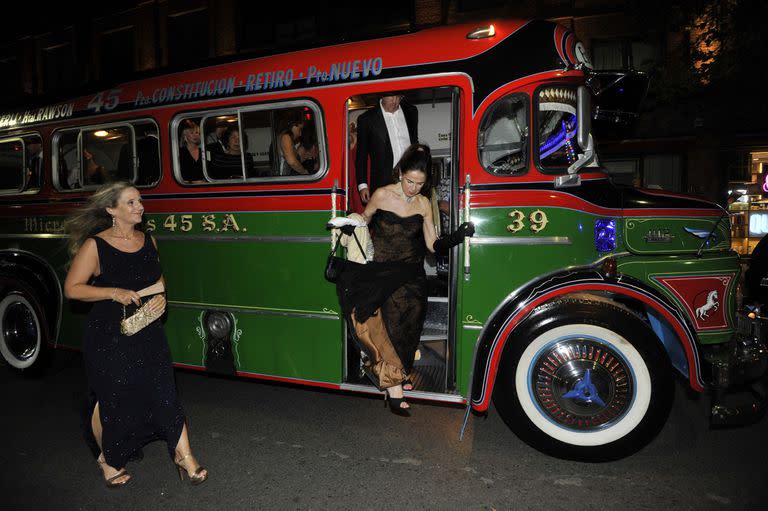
x=198, y=477
x=112, y=482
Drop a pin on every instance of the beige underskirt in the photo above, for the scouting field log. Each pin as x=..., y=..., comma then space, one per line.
x=383, y=360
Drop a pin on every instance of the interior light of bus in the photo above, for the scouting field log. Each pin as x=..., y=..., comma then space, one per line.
x=482, y=32
x=100, y=133
x=605, y=234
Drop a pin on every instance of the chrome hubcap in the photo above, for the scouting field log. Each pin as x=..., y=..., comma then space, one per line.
x=581, y=384
x=20, y=331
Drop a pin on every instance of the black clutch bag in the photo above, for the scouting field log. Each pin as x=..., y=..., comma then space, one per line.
x=336, y=265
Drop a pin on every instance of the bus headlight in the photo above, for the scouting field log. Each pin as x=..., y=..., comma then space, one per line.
x=218, y=325
x=605, y=234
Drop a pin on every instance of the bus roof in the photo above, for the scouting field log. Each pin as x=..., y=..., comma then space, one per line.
x=511, y=50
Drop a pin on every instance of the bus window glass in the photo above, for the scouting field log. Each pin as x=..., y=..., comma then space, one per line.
x=503, y=136
x=67, y=164
x=295, y=148
x=557, y=127
x=223, y=148
x=11, y=166
x=147, y=160
x=257, y=130
x=101, y=153
x=34, y=166
x=252, y=144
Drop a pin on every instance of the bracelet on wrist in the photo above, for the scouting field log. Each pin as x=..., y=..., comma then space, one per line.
x=114, y=292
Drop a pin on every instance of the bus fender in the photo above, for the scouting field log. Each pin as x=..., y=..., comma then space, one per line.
x=21, y=268
x=673, y=328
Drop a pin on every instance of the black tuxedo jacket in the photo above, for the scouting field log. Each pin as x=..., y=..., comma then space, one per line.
x=373, y=140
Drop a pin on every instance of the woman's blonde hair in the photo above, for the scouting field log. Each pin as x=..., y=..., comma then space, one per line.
x=93, y=218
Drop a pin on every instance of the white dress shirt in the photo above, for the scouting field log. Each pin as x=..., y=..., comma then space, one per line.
x=398, y=132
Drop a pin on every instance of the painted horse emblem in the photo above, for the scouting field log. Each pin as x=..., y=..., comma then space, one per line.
x=712, y=303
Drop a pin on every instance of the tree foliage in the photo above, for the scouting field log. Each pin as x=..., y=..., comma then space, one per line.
x=724, y=44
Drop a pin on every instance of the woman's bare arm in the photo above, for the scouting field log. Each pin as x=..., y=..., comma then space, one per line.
x=289, y=153
x=429, y=225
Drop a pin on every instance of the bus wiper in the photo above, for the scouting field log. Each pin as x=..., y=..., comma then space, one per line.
x=712, y=231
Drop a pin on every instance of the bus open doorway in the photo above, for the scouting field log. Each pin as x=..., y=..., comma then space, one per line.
x=434, y=367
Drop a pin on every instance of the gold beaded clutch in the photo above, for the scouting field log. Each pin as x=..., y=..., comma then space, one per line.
x=143, y=315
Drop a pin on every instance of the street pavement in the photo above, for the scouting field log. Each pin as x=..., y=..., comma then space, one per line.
x=274, y=446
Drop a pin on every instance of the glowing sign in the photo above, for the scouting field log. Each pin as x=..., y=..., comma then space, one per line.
x=758, y=224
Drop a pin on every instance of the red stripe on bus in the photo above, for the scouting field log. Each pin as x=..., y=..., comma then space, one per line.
x=311, y=383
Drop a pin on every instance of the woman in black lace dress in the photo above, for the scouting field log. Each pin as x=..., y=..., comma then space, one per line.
x=132, y=393
x=386, y=300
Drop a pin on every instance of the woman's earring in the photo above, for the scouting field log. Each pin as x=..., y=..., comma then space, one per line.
x=113, y=221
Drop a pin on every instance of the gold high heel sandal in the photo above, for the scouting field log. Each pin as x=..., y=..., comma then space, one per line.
x=112, y=482
x=198, y=477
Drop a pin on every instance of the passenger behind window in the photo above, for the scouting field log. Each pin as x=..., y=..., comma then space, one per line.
x=214, y=141
x=190, y=161
x=69, y=175
x=93, y=173
x=308, y=151
x=147, y=155
x=228, y=165
x=289, y=139
x=34, y=164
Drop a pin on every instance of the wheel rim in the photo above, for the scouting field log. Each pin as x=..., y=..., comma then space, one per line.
x=20, y=331
x=583, y=384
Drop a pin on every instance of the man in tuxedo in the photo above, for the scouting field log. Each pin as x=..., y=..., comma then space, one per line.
x=383, y=134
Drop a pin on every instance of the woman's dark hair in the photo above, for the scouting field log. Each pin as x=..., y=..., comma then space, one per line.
x=227, y=134
x=416, y=157
x=290, y=118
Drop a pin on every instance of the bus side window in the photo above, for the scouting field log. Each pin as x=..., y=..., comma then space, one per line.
x=11, y=166
x=147, y=161
x=248, y=144
x=67, y=168
x=257, y=128
x=34, y=164
x=101, y=154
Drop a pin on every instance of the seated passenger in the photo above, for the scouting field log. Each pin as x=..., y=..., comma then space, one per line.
x=190, y=161
x=34, y=164
x=214, y=141
x=93, y=173
x=307, y=151
x=289, y=140
x=228, y=165
x=147, y=158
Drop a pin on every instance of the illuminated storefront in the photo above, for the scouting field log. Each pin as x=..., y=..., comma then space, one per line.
x=748, y=206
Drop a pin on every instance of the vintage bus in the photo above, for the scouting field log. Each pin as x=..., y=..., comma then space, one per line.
x=573, y=307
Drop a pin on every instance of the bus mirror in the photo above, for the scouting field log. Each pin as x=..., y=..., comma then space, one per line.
x=584, y=115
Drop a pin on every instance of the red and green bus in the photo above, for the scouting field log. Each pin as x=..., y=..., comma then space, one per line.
x=573, y=308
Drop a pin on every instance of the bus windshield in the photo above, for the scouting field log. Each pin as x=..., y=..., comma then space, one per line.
x=556, y=128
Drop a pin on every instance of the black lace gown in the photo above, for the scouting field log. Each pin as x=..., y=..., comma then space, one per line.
x=131, y=377
x=394, y=281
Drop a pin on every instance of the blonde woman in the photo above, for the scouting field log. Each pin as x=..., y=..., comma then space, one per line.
x=132, y=394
